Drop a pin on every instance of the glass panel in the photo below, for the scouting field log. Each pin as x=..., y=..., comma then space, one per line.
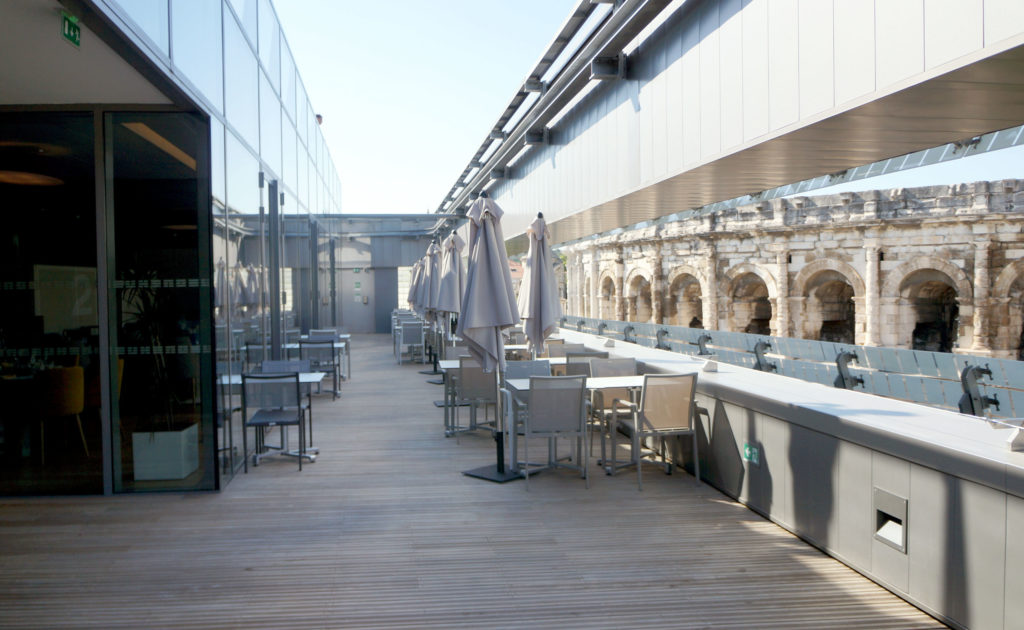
x=197, y=46
x=49, y=361
x=288, y=168
x=246, y=12
x=164, y=416
x=270, y=43
x=270, y=126
x=217, y=160
x=302, y=187
x=288, y=82
x=241, y=85
x=151, y=16
x=301, y=106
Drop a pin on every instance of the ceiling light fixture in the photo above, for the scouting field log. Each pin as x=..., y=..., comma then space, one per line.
x=145, y=132
x=21, y=178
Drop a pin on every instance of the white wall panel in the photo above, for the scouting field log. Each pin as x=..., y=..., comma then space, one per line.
x=730, y=52
x=783, y=64
x=899, y=48
x=645, y=120
x=755, y=69
x=817, y=91
x=855, y=49
x=952, y=28
x=1003, y=18
x=691, y=93
x=659, y=116
x=710, y=85
x=674, y=114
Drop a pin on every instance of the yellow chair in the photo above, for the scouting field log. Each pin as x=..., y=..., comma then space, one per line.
x=61, y=394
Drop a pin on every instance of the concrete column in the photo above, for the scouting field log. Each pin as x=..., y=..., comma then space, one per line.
x=620, y=283
x=658, y=288
x=982, y=307
x=711, y=299
x=780, y=317
x=872, y=295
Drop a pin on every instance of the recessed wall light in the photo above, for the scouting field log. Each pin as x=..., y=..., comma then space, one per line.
x=21, y=178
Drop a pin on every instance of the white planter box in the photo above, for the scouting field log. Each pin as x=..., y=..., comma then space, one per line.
x=166, y=454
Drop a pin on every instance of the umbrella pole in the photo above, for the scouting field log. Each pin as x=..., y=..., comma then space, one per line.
x=497, y=472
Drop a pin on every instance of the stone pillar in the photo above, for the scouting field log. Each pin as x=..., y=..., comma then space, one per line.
x=620, y=282
x=711, y=299
x=781, y=314
x=982, y=306
x=658, y=288
x=595, y=284
x=575, y=288
x=796, y=314
x=872, y=295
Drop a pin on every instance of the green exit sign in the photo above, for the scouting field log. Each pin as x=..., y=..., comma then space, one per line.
x=69, y=29
x=751, y=453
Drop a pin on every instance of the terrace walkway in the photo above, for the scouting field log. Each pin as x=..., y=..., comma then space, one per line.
x=384, y=531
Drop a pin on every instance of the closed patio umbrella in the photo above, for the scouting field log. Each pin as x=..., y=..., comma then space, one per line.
x=414, y=278
x=253, y=289
x=432, y=281
x=488, y=306
x=239, y=288
x=453, y=276
x=538, y=295
x=489, y=303
x=219, y=282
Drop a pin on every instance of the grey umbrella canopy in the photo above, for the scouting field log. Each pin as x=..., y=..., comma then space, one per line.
x=453, y=276
x=538, y=295
x=253, y=288
x=414, y=278
x=432, y=281
x=489, y=303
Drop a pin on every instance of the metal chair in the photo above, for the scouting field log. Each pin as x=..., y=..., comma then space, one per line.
x=322, y=355
x=561, y=349
x=300, y=366
x=474, y=387
x=601, y=408
x=61, y=395
x=254, y=355
x=666, y=409
x=556, y=409
x=411, y=335
x=272, y=400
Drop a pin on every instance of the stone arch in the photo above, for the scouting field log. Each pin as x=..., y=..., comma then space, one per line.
x=931, y=302
x=638, y=294
x=750, y=298
x=1007, y=312
x=606, y=296
x=828, y=291
x=684, y=297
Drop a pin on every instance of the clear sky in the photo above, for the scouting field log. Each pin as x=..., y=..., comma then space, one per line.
x=408, y=90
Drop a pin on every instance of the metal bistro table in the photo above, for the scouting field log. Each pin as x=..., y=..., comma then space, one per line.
x=307, y=379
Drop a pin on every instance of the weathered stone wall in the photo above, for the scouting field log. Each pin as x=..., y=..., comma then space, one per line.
x=937, y=268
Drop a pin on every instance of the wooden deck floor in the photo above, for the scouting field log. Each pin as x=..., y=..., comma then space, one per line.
x=383, y=532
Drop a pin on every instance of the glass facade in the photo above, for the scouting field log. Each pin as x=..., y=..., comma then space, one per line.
x=159, y=238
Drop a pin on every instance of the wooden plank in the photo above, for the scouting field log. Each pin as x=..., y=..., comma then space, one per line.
x=384, y=531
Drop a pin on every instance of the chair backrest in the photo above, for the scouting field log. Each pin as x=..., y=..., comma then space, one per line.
x=517, y=337
x=474, y=383
x=254, y=353
x=526, y=369
x=290, y=365
x=561, y=349
x=577, y=368
x=585, y=356
x=323, y=332
x=666, y=403
x=271, y=391
x=61, y=391
x=412, y=333
x=318, y=352
x=613, y=367
x=292, y=335
x=556, y=403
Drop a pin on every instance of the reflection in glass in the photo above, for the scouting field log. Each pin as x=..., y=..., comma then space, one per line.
x=217, y=160
x=288, y=82
x=302, y=184
x=270, y=126
x=151, y=16
x=197, y=47
x=241, y=85
x=288, y=167
x=163, y=417
x=49, y=345
x=242, y=177
x=270, y=43
x=246, y=11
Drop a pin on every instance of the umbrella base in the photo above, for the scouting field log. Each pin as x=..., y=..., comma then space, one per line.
x=431, y=372
x=490, y=473
x=436, y=381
